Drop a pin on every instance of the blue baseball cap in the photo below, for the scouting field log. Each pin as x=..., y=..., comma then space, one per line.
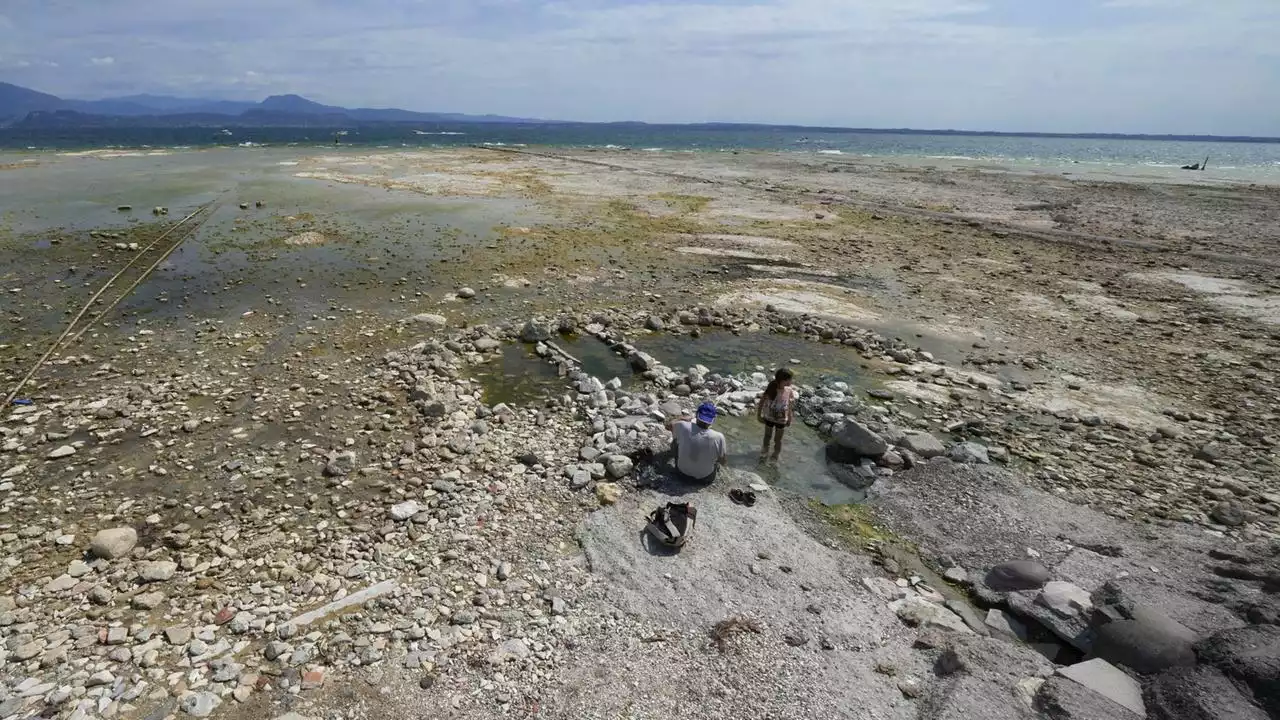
x=707, y=412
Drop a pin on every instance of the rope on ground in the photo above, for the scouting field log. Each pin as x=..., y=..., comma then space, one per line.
x=129, y=290
x=80, y=315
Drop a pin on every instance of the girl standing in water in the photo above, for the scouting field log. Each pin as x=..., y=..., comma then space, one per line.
x=775, y=411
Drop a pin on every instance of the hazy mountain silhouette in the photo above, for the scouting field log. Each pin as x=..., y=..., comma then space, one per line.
x=29, y=108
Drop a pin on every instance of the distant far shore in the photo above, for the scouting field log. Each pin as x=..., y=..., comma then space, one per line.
x=52, y=122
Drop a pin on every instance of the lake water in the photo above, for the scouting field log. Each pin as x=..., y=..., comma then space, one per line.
x=1229, y=161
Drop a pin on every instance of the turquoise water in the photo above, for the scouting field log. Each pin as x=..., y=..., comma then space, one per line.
x=1241, y=161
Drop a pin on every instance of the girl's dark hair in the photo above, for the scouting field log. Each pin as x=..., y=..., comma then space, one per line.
x=771, y=391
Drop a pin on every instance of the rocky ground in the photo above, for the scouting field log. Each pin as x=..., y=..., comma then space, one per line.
x=1064, y=417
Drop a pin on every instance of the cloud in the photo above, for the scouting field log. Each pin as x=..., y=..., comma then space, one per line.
x=1110, y=65
x=102, y=61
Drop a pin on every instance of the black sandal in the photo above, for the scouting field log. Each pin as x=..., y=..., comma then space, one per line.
x=743, y=497
x=672, y=524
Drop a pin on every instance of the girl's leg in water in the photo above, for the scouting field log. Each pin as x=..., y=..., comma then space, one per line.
x=777, y=441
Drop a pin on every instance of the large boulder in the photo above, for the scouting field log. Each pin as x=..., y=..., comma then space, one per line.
x=157, y=570
x=641, y=361
x=1002, y=625
x=340, y=464
x=923, y=444
x=969, y=453
x=858, y=477
x=1111, y=603
x=892, y=434
x=1108, y=681
x=113, y=543
x=918, y=612
x=1143, y=646
x=200, y=704
x=1065, y=599
x=1061, y=607
x=859, y=440
x=535, y=331
x=1249, y=656
x=1152, y=617
x=403, y=511
x=1198, y=693
x=1228, y=512
x=1062, y=699
x=672, y=409
x=428, y=320
x=618, y=466
x=1017, y=575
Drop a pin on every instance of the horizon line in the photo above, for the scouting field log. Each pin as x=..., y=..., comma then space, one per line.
x=939, y=131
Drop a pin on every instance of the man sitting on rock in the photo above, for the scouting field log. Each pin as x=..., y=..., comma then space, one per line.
x=699, y=451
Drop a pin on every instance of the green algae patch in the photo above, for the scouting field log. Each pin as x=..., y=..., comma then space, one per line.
x=858, y=525
x=684, y=204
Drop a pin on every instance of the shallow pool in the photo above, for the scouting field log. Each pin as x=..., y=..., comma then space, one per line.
x=724, y=352
x=519, y=377
x=800, y=469
x=596, y=357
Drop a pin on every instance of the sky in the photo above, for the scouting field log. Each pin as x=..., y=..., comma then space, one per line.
x=1149, y=66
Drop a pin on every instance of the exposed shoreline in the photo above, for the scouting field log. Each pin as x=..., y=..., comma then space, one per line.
x=1114, y=341
x=1149, y=166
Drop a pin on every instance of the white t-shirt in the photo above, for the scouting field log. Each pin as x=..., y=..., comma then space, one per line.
x=700, y=449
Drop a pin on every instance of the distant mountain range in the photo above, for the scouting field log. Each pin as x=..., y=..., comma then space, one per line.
x=23, y=107
x=31, y=112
